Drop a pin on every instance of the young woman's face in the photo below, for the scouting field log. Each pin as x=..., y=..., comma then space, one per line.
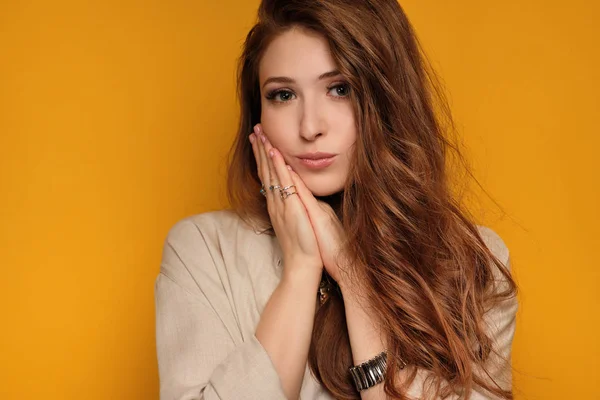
x=306, y=109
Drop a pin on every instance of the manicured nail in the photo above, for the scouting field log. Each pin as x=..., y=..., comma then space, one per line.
x=288, y=167
x=263, y=138
x=257, y=129
x=252, y=139
x=271, y=153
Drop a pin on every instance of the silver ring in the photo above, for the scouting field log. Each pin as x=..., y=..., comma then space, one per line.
x=263, y=191
x=288, y=187
x=274, y=187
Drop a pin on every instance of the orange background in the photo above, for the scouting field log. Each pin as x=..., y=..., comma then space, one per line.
x=115, y=118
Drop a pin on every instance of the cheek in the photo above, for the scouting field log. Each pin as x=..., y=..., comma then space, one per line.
x=346, y=124
x=276, y=125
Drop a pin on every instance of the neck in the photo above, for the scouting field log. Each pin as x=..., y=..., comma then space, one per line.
x=335, y=201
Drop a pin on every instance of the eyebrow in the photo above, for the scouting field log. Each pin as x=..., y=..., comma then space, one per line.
x=285, y=79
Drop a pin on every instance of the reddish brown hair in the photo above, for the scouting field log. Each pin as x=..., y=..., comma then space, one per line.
x=423, y=264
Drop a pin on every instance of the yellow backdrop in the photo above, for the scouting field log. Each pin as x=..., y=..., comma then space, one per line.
x=115, y=118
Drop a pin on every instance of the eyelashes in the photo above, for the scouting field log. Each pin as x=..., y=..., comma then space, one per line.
x=274, y=93
x=286, y=95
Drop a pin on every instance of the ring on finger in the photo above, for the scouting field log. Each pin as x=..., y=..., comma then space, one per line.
x=288, y=187
x=285, y=194
x=272, y=187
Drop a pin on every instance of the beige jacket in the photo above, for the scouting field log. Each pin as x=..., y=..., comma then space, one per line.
x=215, y=278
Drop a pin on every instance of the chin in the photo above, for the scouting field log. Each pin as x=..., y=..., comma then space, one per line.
x=323, y=187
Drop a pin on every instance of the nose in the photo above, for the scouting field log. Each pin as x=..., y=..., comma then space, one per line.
x=312, y=121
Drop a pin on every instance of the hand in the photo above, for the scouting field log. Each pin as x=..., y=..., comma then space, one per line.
x=328, y=230
x=288, y=216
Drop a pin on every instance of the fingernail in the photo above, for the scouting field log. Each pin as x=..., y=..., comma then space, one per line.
x=257, y=129
x=251, y=138
x=288, y=167
x=271, y=153
x=263, y=138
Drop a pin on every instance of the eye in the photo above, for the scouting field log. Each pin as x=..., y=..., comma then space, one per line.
x=280, y=95
x=340, y=90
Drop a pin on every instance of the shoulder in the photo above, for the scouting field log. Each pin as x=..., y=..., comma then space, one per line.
x=204, y=243
x=209, y=227
x=504, y=284
x=500, y=318
x=207, y=223
x=495, y=243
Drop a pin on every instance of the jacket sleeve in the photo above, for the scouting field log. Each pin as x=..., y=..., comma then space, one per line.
x=501, y=324
x=199, y=356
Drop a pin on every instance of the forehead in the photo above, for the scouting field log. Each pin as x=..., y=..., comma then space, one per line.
x=297, y=53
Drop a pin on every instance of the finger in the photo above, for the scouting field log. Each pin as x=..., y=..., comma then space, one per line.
x=275, y=181
x=253, y=139
x=308, y=199
x=264, y=167
x=272, y=172
x=272, y=195
x=283, y=175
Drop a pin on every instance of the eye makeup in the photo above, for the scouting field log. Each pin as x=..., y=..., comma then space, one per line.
x=287, y=94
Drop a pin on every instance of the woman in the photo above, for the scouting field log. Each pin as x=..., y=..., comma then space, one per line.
x=345, y=268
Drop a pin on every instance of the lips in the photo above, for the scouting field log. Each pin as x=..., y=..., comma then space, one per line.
x=317, y=160
x=315, y=156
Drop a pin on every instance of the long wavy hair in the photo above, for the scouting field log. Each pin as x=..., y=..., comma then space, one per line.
x=420, y=259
